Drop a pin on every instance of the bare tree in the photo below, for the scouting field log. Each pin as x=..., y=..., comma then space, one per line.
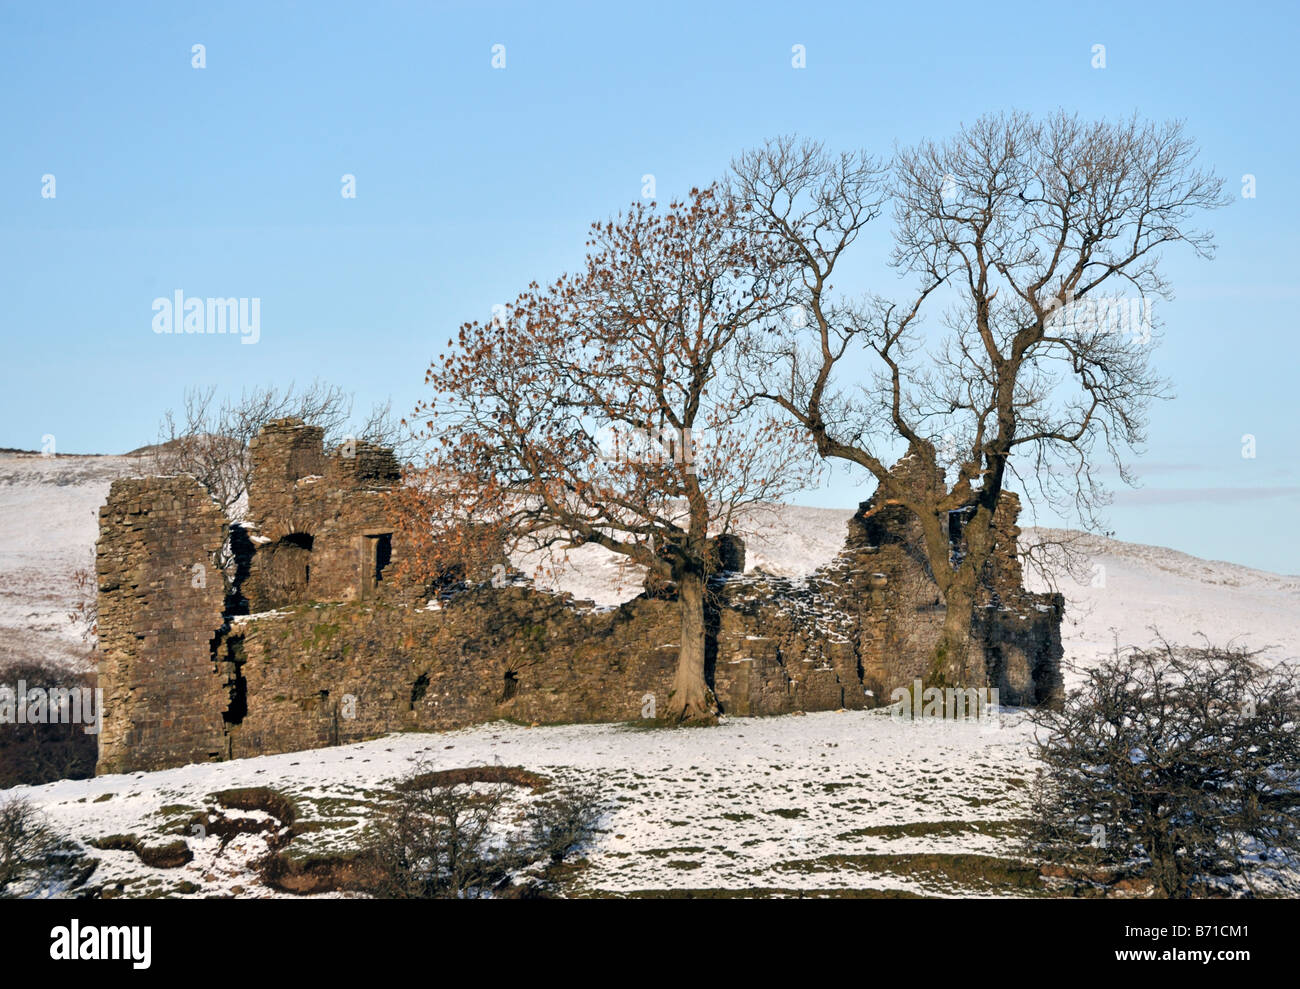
x=27, y=842
x=452, y=834
x=209, y=437
x=1020, y=228
x=561, y=824
x=83, y=613
x=441, y=841
x=1182, y=765
x=605, y=410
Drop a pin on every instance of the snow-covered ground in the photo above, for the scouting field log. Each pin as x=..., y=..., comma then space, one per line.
x=49, y=519
x=753, y=803
x=820, y=802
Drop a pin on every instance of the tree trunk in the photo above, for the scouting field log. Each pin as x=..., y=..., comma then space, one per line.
x=691, y=699
x=1164, y=863
x=956, y=663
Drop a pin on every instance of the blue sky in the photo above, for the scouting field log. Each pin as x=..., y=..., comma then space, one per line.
x=472, y=181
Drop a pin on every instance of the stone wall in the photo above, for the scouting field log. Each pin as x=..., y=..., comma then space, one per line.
x=327, y=674
x=316, y=529
x=160, y=609
x=882, y=579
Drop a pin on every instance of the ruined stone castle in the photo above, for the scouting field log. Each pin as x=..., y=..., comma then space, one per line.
x=313, y=645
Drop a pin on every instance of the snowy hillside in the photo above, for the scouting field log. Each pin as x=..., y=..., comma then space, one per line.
x=832, y=802
x=49, y=519
x=1142, y=588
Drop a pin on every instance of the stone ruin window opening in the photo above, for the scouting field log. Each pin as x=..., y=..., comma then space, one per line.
x=511, y=686
x=380, y=555
x=235, y=683
x=957, y=520
x=376, y=555
x=419, y=689
x=290, y=569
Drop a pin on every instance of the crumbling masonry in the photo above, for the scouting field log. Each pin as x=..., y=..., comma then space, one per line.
x=312, y=647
